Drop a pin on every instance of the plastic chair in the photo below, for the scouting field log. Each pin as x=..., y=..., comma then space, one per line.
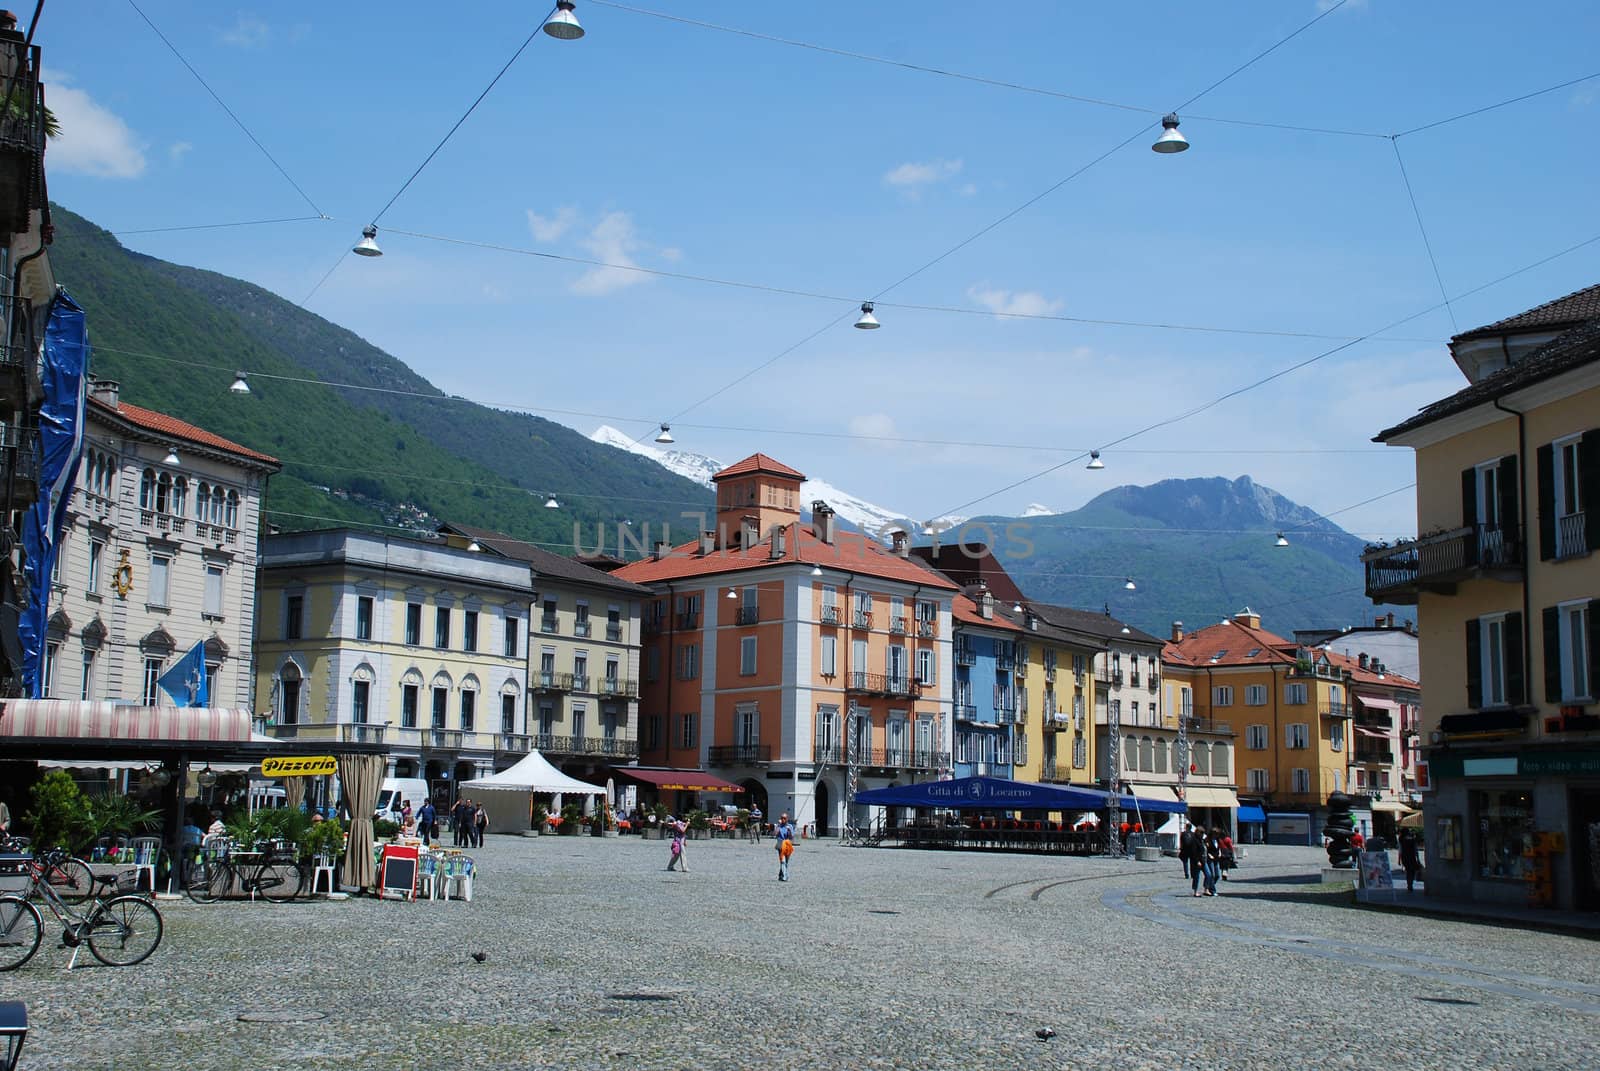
x=146, y=853
x=457, y=876
x=323, y=867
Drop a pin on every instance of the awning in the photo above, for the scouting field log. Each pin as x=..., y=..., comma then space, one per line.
x=1372, y=732
x=1162, y=799
x=1391, y=807
x=985, y=793
x=1251, y=812
x=533, y=774
x=1206, y=796
x=677, y=780
x=62, y=719
x=1391, y=705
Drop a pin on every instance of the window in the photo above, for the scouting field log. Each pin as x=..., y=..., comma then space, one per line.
x=1186, y=702
x=926, y=665
x=508, y=713
x=652, y=664
x=469, y=709
x=413, y=624
x=1219, y=761
x=1255, y=695
x=830, y=597
x=360, y=691
x=1256, y=737
x=650, y=729
x=441, y=627
x=686, y=730
x=1133, y=712
x=1257, y=779
x=512, y=642
x=580, y=672
x=1222, y=695
x=830, y=656
x=688, y=662
x=547, y=620
x=1130, y=754
x=746, y=725
x=87, y=690
x=441, y=705
x=1296, y=735
x=469, y=630
x=1569, y=652
x=1080, y=752
x=56, y=562
x=213, y=603
x=160, y=572
x=1494, y=661
x=289, y=691
x=408, y=706
x=147, y=489
x=580, y=623
x=1336, y=735
x=364, y=617
x=48, y=682
x=1294, y=695
x=1147, y=754
x=1300, y=780
x=897, y=666
x=747, y=656
x=1200, y=759
x=97, y=551
x=230, y=515
x=1568, y=469
x=547, y=719
x=293, y=615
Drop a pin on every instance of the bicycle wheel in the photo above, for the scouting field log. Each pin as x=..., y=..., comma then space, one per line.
x=20, y=931
x=207, y=879
x=72, y=880
x=123, y=931
x=279, y=880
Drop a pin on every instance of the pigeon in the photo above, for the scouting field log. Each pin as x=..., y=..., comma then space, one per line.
x=1044, y=1033
x=480, y=956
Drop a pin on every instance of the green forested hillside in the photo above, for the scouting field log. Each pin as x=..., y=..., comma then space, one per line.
x=174, y=335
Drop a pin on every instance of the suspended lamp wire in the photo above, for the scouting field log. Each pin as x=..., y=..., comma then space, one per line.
x=273, y=160
x=1423, y=230
x=1500, y=104
x=221, y=226
x=1263, y=54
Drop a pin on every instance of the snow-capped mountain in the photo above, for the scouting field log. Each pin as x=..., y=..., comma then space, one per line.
x=1036, y=510
x=868, y=516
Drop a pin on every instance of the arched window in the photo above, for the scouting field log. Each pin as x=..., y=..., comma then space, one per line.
x=231, y=517
x=1130, y=751
x=216, y=505
x=163, y=493
x=147, y=489
x=1161, y=756
x=1202, y=760
x=180, y=496
x=1219, y=758
x=202, y=499
x=1147, y=754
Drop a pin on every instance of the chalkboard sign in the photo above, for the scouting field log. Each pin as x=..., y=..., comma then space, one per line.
x=397, y=874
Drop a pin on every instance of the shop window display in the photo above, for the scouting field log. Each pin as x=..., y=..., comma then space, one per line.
x=1505, y=822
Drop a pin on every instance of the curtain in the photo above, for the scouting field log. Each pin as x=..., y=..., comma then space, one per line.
x=360, y=777
x=294, y=792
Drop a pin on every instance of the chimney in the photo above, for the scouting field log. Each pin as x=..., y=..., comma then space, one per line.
x=1032, y=620
x=822, y=519
x=662, y=548
x=779, y=542
x=986, y=606
x=1389, y=619
x=1377, y=622
x=1248, y=618
x=1177, y=632
x=749, y=531
x=708, y=543
x=1362, y=660
x=1409, y=626
x=105, y=390
x=901, y=543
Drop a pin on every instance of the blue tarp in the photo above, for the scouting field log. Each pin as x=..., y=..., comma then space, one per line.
x=1250, y=812
x=993, y=793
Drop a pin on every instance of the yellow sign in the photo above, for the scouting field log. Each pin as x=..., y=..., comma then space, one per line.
x=299, y=766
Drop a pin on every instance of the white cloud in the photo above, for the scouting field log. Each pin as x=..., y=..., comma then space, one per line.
x=912, y=177
x=247, y=31
x=613, y=241
x=968, y=189
x=875, y=426
x=551, y=228
x=1013, y=303
x=93, y=140
x=178, y=150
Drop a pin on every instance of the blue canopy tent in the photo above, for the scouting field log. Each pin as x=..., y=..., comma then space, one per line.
x=993, y=793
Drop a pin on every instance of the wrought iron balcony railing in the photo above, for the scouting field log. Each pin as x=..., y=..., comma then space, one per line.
x=1437, y=562
x=739, y=754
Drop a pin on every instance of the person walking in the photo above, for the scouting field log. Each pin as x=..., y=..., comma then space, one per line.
x=458, y=823
x=784, y=832
x=1410, y=857
x=1197, y=860
x=405, y=819
x=680, y=830
x=480, y=825
x=1213, y=860
x=1186, y=848
x=755, y=830
x=427, y=820
x=1226, y=843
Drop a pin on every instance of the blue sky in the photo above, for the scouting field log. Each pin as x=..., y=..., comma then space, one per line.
x=685, y=149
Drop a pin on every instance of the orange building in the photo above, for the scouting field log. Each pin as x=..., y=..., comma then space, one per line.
x=791, y=659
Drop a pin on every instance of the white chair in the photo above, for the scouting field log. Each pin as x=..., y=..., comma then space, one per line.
x=323, y=867
x=146, y=852
x=457, y=878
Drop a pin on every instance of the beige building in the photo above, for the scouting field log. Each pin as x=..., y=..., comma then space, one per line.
x=159, y=554
x=1506, y=583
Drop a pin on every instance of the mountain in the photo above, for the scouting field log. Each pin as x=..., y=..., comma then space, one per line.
x=867, y=516
x=1198, y=550
x=388, y=449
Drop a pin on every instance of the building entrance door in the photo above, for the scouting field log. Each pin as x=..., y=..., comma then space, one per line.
x=1584, y=807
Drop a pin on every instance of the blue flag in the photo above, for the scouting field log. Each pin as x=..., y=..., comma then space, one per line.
x=186, y=680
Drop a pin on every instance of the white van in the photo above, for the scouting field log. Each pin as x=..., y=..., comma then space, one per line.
x=395, y=791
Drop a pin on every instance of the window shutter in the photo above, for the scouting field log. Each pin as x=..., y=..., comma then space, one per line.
x=1516, y=683
x=1594, y=647
x=1546, y=456
x=1510, y=501
x=1469, y=497
x=1552, y=654
x=1474, y=664
x=1589, y=487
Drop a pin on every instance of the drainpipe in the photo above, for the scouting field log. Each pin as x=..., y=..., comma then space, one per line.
x=671, y=668
x=1522, y=503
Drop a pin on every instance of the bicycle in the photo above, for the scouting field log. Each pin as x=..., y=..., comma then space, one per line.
x=214, y=873
x=66, y=873
x=120, y=931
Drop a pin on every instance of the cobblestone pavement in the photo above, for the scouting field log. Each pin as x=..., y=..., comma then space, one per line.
x=596, y=957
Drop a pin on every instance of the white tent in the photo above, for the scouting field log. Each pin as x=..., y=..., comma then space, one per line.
x=513, y=788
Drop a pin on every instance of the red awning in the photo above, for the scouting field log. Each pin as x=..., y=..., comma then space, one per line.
x=1391, y=705
x=69, y=720
x=677, y=780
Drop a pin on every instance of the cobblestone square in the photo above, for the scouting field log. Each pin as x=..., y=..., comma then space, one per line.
x=597, y=957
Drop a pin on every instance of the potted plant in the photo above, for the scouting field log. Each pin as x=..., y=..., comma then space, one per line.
x=324, y=841
x=605, y=822
x=60, y=816
x=571, y=816
x=539, y=815
x=659, y=810
x=383, y=829
x=699, y=824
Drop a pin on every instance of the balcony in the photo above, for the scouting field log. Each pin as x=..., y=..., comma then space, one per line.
x=828, y=751
x=832, y=616
x=879, y=684
x=747, y=615
x=1374, y=719
x=927, y=629
x=1308, y=670
x=1383, y=757
x=1133, y=679
x=613, y=633
x=739, y=754
x=513, y=743
x=582, y=628
x=1112, y=677
x=549, y=681
x=651, y=625
x=1208, y=725
x=1005, y=661
x=346, y=732
x=619, y=686
x=1153, y=682
x=442, y=739
x=688, y=622
x=833, y=753
x=1050, y=771
x=1571, y=537
x=965, y=656
x=578, y=682
x=603, y=746
x=861, y=619
x=966, y=712
x=1335, y=710
x=897, y=625
x=22, y=135
x=1436, y=563
x=547, y=624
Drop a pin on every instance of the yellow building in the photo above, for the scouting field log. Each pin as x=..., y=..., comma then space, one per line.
x=1055, y=697
x=1506, y=584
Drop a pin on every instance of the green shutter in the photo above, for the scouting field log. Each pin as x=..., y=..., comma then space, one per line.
x=1546, y=456
x=1469, y=497
x=1589, y=487
x=1552, y=655
x=1474, y=664
x=1516, y=667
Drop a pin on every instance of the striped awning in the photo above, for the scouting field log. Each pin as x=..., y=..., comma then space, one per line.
x=61, y=719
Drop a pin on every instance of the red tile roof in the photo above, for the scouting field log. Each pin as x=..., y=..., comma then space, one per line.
x=964, y=610
x=1366, y=676
x=163, y=424
x=1231, y=644
x=850, y=552
x=1568, y=311
x=759, y=463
